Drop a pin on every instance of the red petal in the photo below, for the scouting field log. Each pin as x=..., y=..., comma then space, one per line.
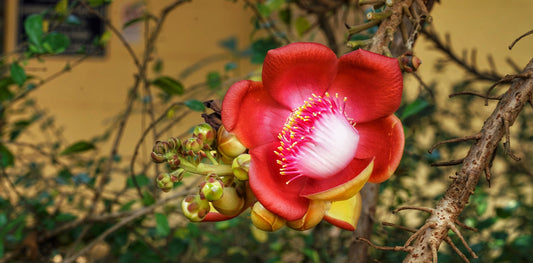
x=252, y=114
x=294, y=72
x=270, y=188
x=372, y=83
x=384, y=140
x=315, y=187
x=216, y=216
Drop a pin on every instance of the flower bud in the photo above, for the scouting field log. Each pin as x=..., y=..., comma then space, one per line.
x=228, y=144
x=227, y=180
x=231, y=202
x=266, y=220
x=313, y=216
x=193, y=145
x=160, y=147
x=159, y=151
x=212, y=188
x=174, y=162
x=174, y=143
x=240, y=166
x=158, y=158
x=164, y=182
x=408, y=62
x=195, y=208
x=204, y=132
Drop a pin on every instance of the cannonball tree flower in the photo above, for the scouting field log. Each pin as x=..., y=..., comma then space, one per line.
x=318, y=128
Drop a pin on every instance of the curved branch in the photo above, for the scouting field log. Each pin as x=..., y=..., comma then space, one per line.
x=478, y=159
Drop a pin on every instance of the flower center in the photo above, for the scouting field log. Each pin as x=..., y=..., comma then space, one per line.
x=318, y=139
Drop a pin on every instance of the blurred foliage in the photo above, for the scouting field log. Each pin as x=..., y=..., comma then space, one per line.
x=49, y=186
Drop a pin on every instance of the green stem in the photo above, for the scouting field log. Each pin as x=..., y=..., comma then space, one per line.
x=211, y=157
x=203, y=168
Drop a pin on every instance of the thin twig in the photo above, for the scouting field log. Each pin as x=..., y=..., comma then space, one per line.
x=462, y=139
x=141, y=212
x=520, y=37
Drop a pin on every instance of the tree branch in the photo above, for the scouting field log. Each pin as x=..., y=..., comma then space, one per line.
x=479, y=157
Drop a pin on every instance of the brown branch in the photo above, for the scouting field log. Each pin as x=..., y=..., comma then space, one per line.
x=449, y=163
x=478, y=158
x=520, y=37
x=471, y=68
x=462, y=139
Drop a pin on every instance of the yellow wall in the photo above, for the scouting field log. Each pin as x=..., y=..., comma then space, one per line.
x=85, y=99
x=96, y=90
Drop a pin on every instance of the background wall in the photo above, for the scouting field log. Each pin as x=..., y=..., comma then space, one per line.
x=84, y=98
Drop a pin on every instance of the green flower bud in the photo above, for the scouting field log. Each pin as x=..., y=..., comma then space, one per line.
x=193, y=145
x=174, y=162
x=212, y=188
x=205, y=132
x=266, y=220
x=231, y=202
x=161, y=147
x=240, y=166
x=195, y=208
x=158, y=158
x=227, y=180
x=228, y=144
x=174, y=143
x=164, y=182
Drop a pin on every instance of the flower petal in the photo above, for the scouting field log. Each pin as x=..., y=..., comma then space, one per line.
x=215, y=216
x=384, y=140
x=372, y=83
x=251, y=113
x=270, y=188
x=345, y=214
x=315, y=213
x=343, y=185
x=294, y=72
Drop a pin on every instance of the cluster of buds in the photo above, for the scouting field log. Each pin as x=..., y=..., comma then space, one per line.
x=217, y=155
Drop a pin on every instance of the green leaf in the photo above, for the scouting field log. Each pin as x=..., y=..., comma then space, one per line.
x=6, y=157
x=413, y=108
x=274, y=4
x=96, y=3
x=18, y=74
x=169, y=85
x=147, y=199
x=141, y=179
x=302, y=25
x=214, y=81
x=158, y=66
x=61, y=7
x=312, y=255
x=230, y=66
x=3, y=219
x=162, y=228
x=263, y=10
x=63, y=217
x=229, y=43
x=78, y=147
x=134, y=21
x=260, y=48
x=285, y=15
x=33, y=25
x=104, y=38
x=1, y=247
x=195, y=105
x=127, y=206
x=56, y=42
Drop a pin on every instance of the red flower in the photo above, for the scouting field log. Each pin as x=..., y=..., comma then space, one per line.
x=317, y=127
